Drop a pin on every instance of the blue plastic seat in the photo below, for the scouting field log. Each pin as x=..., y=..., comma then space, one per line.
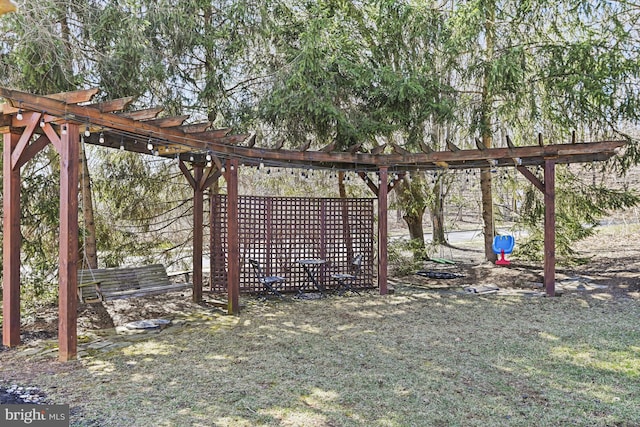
x=503, y=245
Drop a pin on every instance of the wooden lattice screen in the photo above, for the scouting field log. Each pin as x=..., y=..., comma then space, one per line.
x=277, y=231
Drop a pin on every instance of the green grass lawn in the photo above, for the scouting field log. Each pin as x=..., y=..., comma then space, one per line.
x=415, y=358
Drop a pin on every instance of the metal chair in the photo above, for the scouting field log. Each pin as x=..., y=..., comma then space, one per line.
x=347, y=280
x=270, y=284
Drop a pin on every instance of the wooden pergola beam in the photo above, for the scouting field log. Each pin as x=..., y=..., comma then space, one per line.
x=71, y=97
x=353, y=159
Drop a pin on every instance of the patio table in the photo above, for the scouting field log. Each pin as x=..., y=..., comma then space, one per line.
x=312, y=269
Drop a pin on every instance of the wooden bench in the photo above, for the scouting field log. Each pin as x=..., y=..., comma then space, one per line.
x=106, y=284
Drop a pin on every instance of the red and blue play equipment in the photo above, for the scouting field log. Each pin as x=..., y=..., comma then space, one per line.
x=503, y=245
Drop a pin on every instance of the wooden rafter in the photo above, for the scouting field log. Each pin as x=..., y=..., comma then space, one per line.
x=169, y=122
x=178, y=141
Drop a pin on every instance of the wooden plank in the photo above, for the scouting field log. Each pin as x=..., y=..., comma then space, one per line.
x=146, y=291
x=233, y=276
x=75, y=96
x=198, y=230
x=54, y=138
x=11, y=245
x=461, y=159
x=126, y=282
x=167, y=122
x=382, y=232
x=549, y=227
x=146, y=114
x=210, y=177
x=32, y=120
x=67, y=300
x=372, y=186
x=31, y=150
x=211, y=134
x=187, y=174
x=195, y=127
x=5, y=121
x=399, y=150
x=113, y=105
x=232, y=139
x=72, y=97
x=531, y=177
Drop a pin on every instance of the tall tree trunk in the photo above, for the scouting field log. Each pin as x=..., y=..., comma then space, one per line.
x=90, y=244
x=413, y=202
x=414, y=223
x=487, y=140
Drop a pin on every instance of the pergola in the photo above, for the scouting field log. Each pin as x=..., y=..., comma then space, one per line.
x=30, y=122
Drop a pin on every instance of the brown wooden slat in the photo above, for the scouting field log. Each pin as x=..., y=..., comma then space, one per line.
x=168, y=122
x=232, y=139
x=195, y=127
x=72, y=97
x=211, y=134
x=146, y=114
x=113, y=105
x=378, y=149
x=125, y=282
x=76, y=96
x=399, y=150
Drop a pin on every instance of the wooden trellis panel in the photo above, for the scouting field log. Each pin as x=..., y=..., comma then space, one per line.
x=278, y=231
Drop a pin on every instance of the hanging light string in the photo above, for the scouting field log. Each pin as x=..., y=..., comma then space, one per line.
x=199, y=154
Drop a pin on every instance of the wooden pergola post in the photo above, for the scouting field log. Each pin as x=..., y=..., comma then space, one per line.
x=382, y=231
x=548, y=188
x=233, y=261
x=69, y=151
x=198, y=218
x=11, y=245
x=550, y=226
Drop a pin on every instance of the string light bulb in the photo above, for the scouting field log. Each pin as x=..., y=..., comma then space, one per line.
x=209, y=158
x=19, y=116
x=87, y=132
x=191, y=158
x=42, y=121
x=121, y=143
x=64, y=129
x=150, y=146
x=101, y=139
